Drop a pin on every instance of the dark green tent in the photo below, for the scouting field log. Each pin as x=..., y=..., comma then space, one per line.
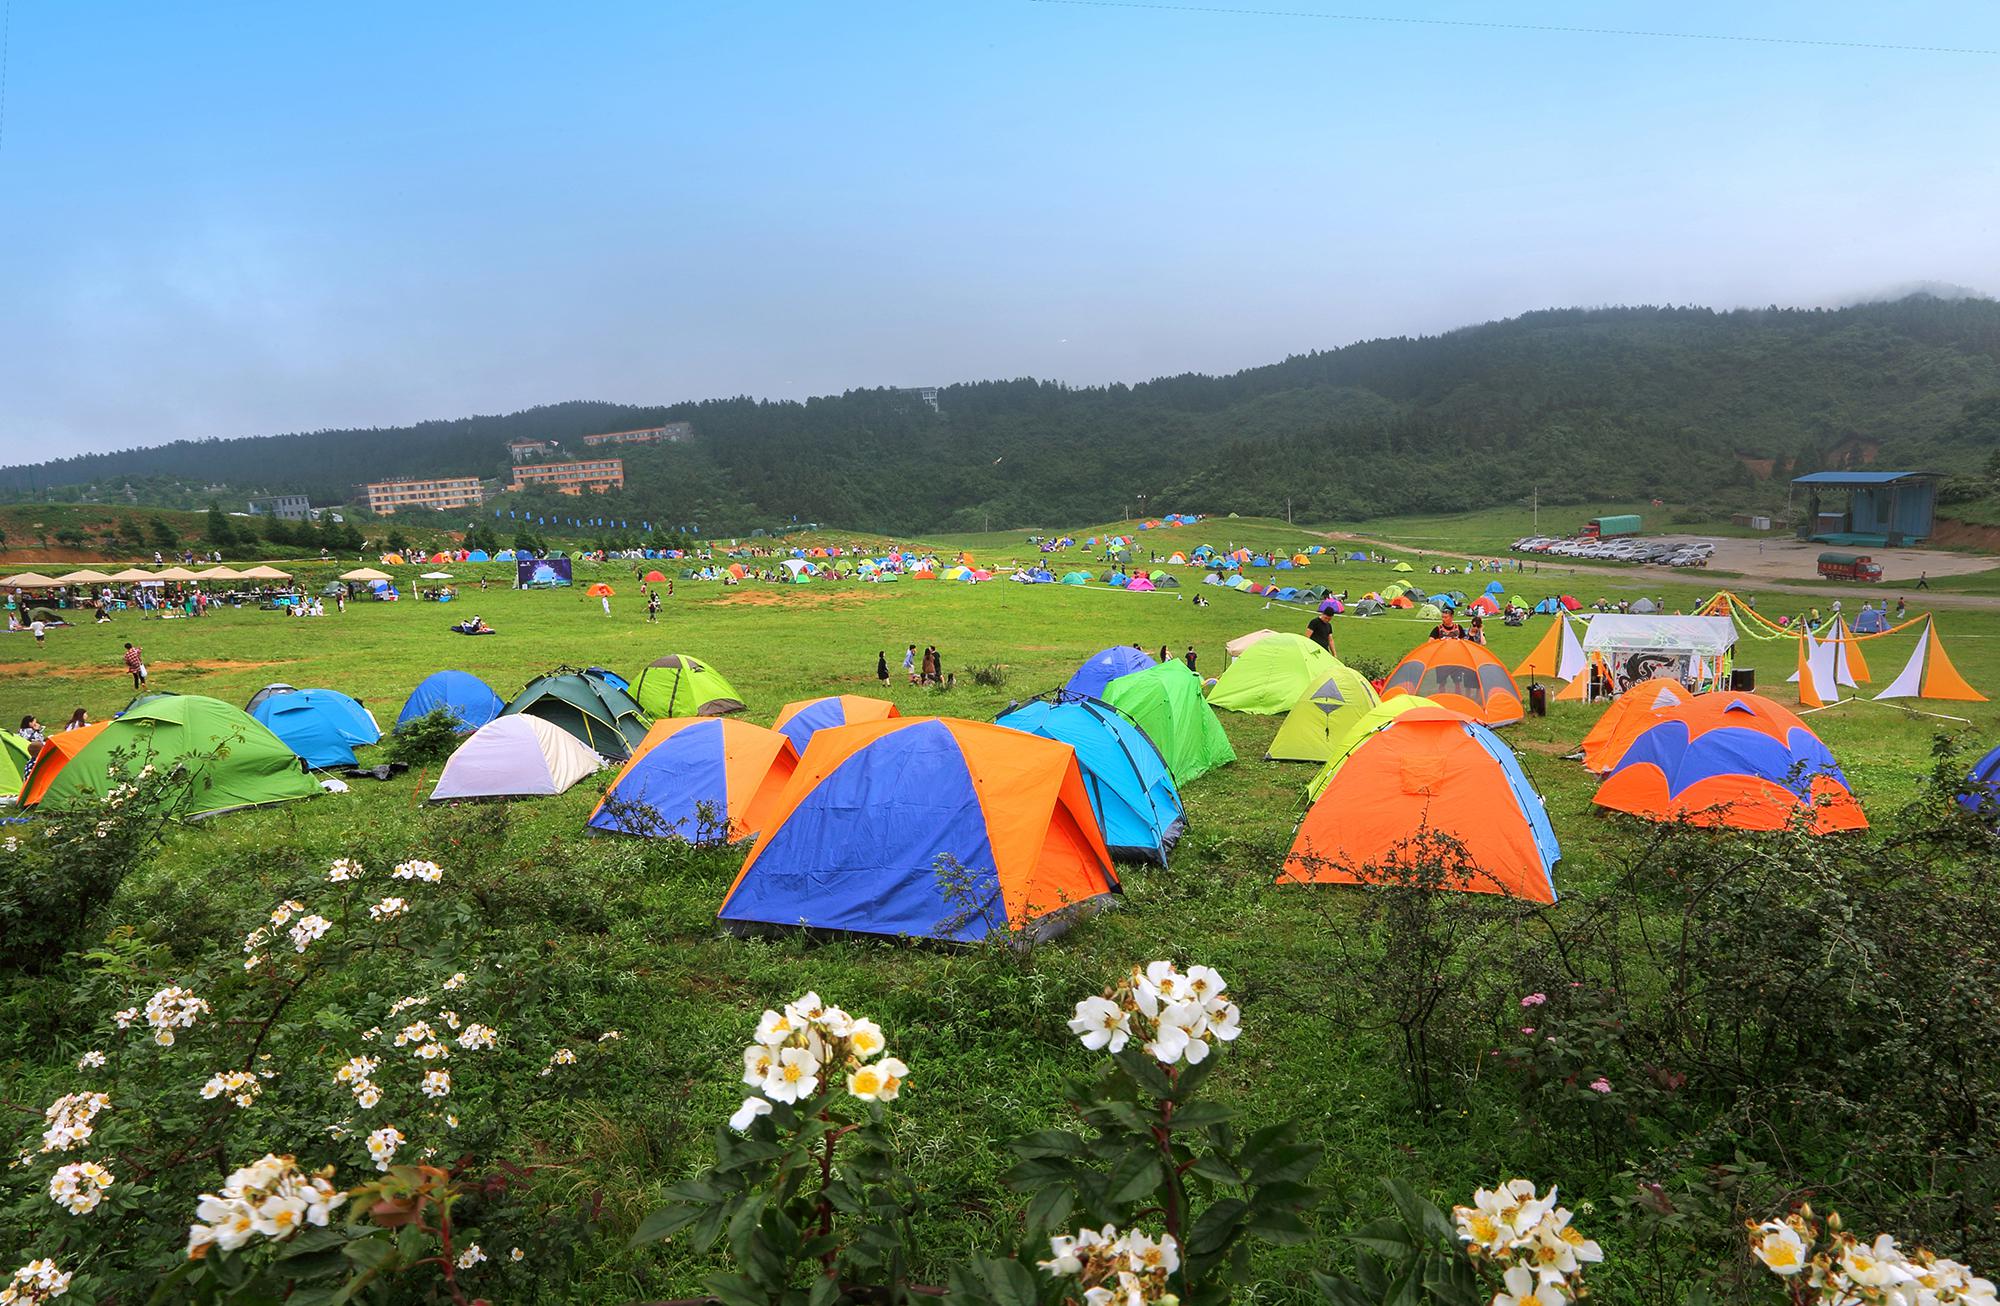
x=596, y=711
x=232, y=759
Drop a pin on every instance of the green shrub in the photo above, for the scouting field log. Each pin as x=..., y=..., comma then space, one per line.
x=427, y=740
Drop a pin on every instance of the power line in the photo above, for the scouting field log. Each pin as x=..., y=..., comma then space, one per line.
x=1491, y=25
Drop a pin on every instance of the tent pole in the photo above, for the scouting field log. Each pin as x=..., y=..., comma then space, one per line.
x=1941, y=716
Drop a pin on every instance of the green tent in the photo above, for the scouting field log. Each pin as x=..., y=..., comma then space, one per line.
x=678, y=685
x=1358, y=729
x=1166, y=702
x=1273, y=674
x=1429, y=611
x=234, y=761
x=594, y=710
x=1318, y=721
x=13, y=762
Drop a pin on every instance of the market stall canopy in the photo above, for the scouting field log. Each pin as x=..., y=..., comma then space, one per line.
x=220, y=573
x=30, y=580
x=1617, y=633
x=365, y=573
x=84, y=577
x=435, y=575
x=132, y=573
x=176, y=573
x=266, y=573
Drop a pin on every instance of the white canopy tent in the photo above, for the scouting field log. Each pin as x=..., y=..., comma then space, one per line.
x=1694, y=651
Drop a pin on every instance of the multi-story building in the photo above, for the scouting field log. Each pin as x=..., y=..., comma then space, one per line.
x=594, y=474
x=522, y=450
x=290, y=507
x=385, y=497
x=671, y=433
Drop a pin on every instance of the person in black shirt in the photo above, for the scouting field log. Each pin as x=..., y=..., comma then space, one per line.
x=1320, y=630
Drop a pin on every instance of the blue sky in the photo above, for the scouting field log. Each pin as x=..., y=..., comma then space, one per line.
x=223, y=219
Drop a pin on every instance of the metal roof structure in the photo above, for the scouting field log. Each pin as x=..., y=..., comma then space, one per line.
x=1863, y=478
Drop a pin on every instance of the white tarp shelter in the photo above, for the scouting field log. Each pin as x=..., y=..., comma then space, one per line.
x=1692, y=650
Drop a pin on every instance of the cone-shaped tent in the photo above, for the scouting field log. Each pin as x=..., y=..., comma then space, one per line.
x=1930, y=674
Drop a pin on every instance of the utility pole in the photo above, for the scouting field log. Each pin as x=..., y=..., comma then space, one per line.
x=1538, y=510
x=1288, y=510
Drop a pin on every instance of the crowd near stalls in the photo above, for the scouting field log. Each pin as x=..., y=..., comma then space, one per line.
x=83, y=596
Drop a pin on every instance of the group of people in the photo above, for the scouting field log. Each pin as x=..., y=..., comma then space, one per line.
x=1448, y=628
x=36, y=734
x=927, y=670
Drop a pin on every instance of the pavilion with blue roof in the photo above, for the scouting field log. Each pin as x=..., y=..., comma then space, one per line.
x=1882, y=508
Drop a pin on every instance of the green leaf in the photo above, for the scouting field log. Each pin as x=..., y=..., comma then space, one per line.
x=1144, y=1071
x=1217, y=1225
x=1199, y=1115
x=1049, y=1208
x=1280, y=1227
x=1048, y=1142
x=1216, y=1169
x=664, y=1223
x=1137, y=1175
x=825, y=1291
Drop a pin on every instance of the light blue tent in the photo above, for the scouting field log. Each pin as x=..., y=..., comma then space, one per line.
x=461, y=693
x=1076, y=578
x=323, y=726
x=1496, y=587
x=1134, y=797
x=478, y=555
x=1357, y=557
x=1105, y=666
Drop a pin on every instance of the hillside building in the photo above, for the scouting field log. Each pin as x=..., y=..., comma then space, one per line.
x=594, y=474
x=521, y=450
x=440, y=494
x=671, y=433
x=286, y=507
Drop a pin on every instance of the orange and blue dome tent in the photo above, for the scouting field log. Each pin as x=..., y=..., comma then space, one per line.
x=1428, y=772
x=1628, y=718
x=798, y=721
x=1460, y=675
x=1734, y=760
x=735, y=769
x=879, y=817
x=55, y=753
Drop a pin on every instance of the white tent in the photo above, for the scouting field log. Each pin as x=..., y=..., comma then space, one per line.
x=1241, y=644
x=1691, y=650
x=515, y=756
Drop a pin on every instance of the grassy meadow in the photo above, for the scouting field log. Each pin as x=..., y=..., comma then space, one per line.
x=621, y=933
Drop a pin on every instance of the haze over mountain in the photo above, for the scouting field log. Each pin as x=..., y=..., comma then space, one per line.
x=1578, y=403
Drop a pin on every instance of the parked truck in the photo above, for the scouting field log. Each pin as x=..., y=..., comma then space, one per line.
x=1609, y=528
x=1849, y=566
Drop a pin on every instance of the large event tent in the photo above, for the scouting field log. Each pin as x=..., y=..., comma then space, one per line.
x=1322, y=717
x=460, y=693
x=1430, y=770
x=519, y=756
x=691, y=775
x=1105, y=666
x=601, y=716
x=1460, y=675
x=1735, y=760
x=1273, y=674
x=798, y=721
x=679, y=685
x=323, y=726
x=856, y=846
x=1166, y=701
x=1138, y=807
x=232, y=760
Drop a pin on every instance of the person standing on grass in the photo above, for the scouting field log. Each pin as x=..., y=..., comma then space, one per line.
x=910, y=663
x=1188, y=657
x=41, y=629
x=605, y=599
x=135, y=664
x=652, y=606
x=882, y=668
x=1923, y=580
x=1320, y=631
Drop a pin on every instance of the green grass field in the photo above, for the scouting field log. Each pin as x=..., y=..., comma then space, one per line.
x=983, y=1032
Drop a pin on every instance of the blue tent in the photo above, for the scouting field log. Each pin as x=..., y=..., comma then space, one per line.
x=1357, y=557
x=1130, y=789
x=1285, y=564
x=463, y=694
x=1106, y=666
x=1444, y=600
x=1115, y=577
x=323, y=726
x=1495, y=587
x=478, y=555
x=610, y=677
x=1548, y=608
x=1981, y=794
x=1871, y=621
x=1286, y=594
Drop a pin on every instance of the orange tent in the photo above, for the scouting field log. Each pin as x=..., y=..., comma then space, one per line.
x=1626, y=719
x=1429, y=769
x=799, y=721
x=600, y=591
x=1734, y=760
x=654, y=578
x=736, y=769
x=1461, y=675
x=1930, y=674
x=55, y=754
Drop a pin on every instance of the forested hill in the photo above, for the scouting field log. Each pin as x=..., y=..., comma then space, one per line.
x=1582, y=403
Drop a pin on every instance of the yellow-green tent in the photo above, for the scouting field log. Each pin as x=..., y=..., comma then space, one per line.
x=1358, y=729
x=1319, y=720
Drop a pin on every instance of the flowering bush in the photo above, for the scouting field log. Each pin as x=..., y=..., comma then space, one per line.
x=1127, y=1268
x=1155, y=1151
x=208, y=1061
x=1512, y=1247
x=1821, y=1264
x=820, y=1081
